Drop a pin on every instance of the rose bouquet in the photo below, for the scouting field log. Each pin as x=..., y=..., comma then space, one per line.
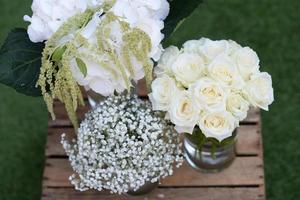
x=206, y=88
x=122, y=144
x=102, y=45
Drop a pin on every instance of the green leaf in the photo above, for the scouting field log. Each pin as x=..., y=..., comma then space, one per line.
x=213, y=150
x=179, y=11
x=82, y=67
x=20, y=62
x=58, y=53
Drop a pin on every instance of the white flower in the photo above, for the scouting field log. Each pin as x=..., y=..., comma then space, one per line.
x=193, y=46
x=101, y=79
x=166, y=61
x=188, y=68
x=209, y=94
x=147, y=16
x=98, y=78
x=163, y=88
x=219, y=125
x=237, y=105
x=219, y=79
x=103, y=76
x=183, y=112
x=224, y=70
x=49, y=15
x=259, y=90
x=247, y=62
x=211, y=49
x=152, y=28
x=233, y=47
x=121, y=145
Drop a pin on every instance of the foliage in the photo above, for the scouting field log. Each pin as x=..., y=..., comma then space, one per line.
x=20, y=62
x=20, y=59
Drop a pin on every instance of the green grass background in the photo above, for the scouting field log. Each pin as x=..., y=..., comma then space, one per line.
x=271, y=27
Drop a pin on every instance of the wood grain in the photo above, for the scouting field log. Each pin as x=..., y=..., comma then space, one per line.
x=160, y=194
x=244, y=171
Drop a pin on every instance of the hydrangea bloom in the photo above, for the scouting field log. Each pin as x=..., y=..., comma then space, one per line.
x=101, y=48
x=121, y=145
x=49, y=15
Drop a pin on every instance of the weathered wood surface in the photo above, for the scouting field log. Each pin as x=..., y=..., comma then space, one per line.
x=243, y=180
x=211, y=193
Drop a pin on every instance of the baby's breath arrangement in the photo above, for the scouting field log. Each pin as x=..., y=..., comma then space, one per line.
x=121, y=145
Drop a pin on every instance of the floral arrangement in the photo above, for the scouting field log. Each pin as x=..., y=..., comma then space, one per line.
x=101, y=45
x=121, y=145
x=208, y=86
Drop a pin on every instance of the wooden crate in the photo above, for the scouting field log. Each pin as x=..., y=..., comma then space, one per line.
x=243, y=180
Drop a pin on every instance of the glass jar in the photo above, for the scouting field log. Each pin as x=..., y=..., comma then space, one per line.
x=94, y=98
x=145, y=189
x=210, y=157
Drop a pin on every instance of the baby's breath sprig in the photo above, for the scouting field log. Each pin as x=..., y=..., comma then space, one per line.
x=121, y=145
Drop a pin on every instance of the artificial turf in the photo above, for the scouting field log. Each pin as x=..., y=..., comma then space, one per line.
x=271, y=27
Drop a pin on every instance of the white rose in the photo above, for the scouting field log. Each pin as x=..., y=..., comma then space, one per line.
x=211, y=49
x=259, y=90
x=166, y=61
x=183, y=112
x=233, y=47
x=219, y=125
x=188, y=68
x=247, y=62
x=237, y=105
x=163, y=89
x=192, y=46
x=224, y=70
x=209, y=94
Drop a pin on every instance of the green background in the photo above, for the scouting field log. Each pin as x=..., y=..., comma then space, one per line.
x=271, y=27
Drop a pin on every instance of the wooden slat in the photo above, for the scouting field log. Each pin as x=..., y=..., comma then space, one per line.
x=61, y=115
x=245, y=171
x=248, y=142
x=160, y=194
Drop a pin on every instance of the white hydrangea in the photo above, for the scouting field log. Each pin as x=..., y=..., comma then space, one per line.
x=121, y=145
x=148, y=15
x=223, y=80
x=49, y=15
x=103, y=74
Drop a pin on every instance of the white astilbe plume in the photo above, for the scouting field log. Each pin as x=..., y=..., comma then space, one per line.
x=121, y=145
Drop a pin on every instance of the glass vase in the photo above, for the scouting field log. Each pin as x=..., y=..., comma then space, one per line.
x=145, y=189
x=210, y=157
x=95, y=98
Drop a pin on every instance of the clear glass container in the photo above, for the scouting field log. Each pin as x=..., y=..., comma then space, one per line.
x=204, y=160
x=145, y=189
x=94, y=98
